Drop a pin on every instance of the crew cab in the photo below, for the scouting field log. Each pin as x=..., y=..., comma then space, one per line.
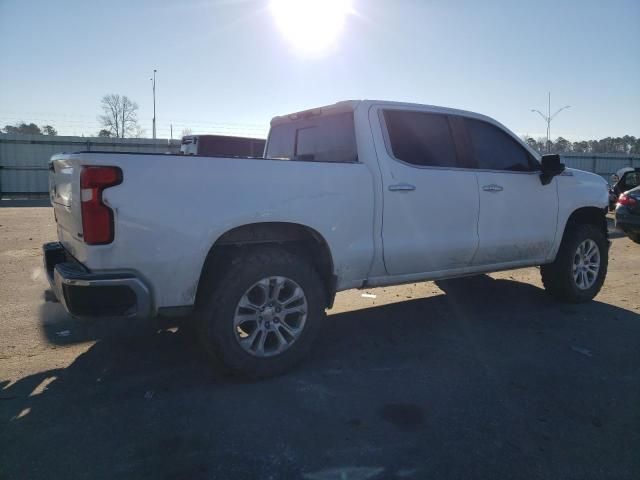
x=352, y=195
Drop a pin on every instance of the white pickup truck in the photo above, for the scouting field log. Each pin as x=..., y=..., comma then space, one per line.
x=353, y=195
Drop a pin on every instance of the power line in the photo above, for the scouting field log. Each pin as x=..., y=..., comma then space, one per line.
x=54, y=116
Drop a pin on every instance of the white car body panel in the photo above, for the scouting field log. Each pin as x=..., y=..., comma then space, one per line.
x=518, y=217
x=166, y=235
x=170, y=210
x=577, y=189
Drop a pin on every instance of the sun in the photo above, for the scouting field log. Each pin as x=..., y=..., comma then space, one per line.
x=311, y=26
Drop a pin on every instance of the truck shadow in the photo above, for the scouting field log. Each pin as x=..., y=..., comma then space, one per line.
x=494, y=367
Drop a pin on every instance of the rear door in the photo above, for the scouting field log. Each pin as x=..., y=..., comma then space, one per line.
x=518, y=215
x=430, y=200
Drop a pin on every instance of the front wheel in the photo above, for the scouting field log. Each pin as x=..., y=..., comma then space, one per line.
x=580, y=267
x=264, y=312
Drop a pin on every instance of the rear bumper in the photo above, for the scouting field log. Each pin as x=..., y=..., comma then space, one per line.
x=85, y=294
x=627, y=221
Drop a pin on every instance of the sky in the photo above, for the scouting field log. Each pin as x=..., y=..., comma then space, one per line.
x=229, y=66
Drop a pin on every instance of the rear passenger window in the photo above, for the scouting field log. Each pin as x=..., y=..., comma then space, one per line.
x=329, y=138
x=420, y=138
x=494, y=149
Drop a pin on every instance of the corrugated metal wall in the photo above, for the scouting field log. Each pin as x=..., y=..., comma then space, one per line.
x=24, y=158
x=604, y=165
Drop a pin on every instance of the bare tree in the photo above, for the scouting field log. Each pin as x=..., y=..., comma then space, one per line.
x=120, y=115
x=186, y=132
x=49, y=130
x=139, y=132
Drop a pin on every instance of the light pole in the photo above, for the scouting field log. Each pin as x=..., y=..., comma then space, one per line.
x=548, y=118
x=153, y=83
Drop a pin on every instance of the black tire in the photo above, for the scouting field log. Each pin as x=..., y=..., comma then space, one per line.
x=635, y=237
x=558, y=278
x=217, y=306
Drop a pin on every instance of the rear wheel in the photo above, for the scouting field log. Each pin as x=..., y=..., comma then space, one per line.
x=263, y=313
x=580, y=267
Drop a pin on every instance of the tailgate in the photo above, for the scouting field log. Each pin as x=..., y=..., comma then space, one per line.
x=64, y=191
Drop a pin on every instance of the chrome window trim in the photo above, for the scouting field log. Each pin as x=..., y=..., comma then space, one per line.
x=387, y=144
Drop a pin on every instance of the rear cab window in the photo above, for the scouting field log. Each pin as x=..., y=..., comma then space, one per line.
x=322, y=138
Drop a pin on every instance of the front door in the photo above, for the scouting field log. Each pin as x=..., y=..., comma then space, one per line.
x=518, y=215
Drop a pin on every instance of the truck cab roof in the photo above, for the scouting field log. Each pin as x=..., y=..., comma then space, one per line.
x=352, y=105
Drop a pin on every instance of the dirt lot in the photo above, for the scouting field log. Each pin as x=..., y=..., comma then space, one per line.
x=484, y=377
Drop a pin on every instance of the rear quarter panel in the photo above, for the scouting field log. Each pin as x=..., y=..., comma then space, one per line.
x=170, y=210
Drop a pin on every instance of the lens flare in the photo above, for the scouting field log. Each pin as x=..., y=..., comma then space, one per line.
x=311, y=26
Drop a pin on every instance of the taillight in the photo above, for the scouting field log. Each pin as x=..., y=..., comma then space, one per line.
x=626, y=200
x=97, y=218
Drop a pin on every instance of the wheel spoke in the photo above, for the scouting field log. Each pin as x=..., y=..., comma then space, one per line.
x=282, y=342
x=301, y=309
x=293, y=331
x=264, y=285
x=277, y=288
x=260, y=346
x=296, y=295
x=247, y=304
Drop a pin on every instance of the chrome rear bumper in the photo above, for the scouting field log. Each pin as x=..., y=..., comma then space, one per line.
x=85, y=294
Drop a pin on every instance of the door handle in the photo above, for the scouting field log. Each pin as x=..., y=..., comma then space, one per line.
x=401, y=187
x=493, y=188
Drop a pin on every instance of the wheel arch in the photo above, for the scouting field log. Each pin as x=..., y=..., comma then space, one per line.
x=591, y=216
x=294, y=236
x=584, y=216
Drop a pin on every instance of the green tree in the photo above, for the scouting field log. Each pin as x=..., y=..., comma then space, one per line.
x=561, y=145
x=580, y=147
x=23, y=128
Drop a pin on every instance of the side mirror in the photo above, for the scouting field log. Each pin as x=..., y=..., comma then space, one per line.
x=551, y=167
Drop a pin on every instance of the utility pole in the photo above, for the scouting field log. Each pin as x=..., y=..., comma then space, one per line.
x=547, y=118
x=171, y=126
x=153, y=83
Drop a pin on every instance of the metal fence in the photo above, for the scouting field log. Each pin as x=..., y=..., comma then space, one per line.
x=24, y=158
x=602, y=164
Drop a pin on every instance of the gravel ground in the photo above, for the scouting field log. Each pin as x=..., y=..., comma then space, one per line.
x=484, y=377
